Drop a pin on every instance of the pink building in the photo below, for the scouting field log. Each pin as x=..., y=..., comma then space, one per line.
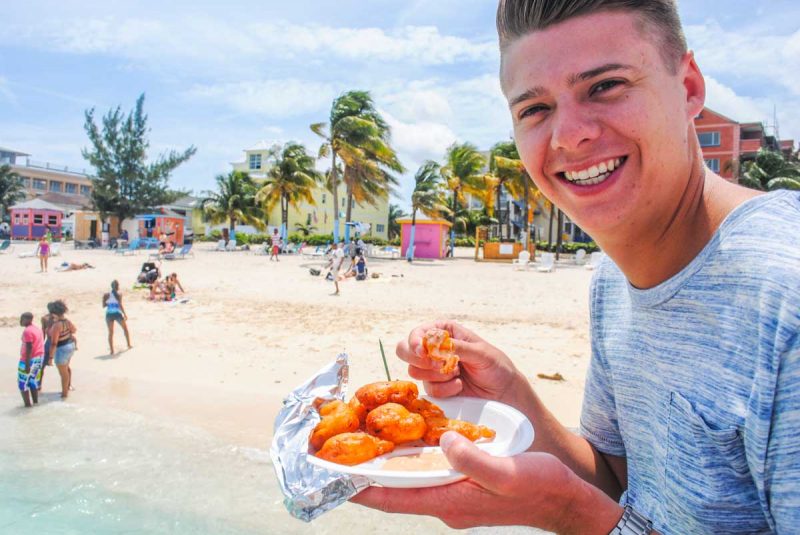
x=30, y=220
x=430, y=237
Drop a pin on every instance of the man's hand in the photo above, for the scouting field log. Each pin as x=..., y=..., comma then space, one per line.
x=484, y=371
x=531, y=489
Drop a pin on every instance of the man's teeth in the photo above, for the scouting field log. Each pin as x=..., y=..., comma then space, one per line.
x=594, y=174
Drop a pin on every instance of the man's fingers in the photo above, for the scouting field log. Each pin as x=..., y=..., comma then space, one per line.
x=413, y=357
x=473, y=462
x=405, y=501
x=446, y=389
x=433, y=376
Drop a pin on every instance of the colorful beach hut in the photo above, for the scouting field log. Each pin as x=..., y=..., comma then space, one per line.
x=430, y=237
x=30, y=220
x=169, y=223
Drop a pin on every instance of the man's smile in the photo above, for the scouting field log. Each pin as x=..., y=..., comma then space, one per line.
x=593, y=174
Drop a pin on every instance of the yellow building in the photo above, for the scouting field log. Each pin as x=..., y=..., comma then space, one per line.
x=41, y=178
x=320, y=214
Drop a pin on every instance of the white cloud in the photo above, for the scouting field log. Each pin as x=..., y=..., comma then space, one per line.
x=6, y=93
x=743, y=109
x=271, y=98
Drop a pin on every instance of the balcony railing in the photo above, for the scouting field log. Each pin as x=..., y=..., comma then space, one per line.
x=53, y=167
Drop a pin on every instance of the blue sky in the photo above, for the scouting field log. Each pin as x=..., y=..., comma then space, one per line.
x=224, y=78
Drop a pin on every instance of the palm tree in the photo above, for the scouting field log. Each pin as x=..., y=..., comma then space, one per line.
x=428, y=197
x=305, y=230
x=234, y=201
x=771, y=171
x=393, y=228
x=291, y=179
x=11, y=189
x=358, y=136
x=462, y=174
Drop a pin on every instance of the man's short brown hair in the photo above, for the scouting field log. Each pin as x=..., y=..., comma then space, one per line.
x=517, y=18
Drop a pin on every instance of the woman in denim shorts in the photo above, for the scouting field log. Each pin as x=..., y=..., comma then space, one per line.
x=62, y=345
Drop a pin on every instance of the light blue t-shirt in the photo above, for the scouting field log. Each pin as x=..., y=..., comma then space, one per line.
x=697, y=380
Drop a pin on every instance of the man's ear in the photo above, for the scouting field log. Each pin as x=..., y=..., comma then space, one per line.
x=694, y=84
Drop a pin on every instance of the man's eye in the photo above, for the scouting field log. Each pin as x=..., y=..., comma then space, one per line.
x=531, y=111
x=604, y=86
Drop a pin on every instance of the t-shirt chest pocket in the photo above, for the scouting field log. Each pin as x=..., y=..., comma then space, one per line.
x=707, y=476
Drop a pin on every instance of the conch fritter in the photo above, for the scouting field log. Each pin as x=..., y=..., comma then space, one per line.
x=337, y=417
x=440, y=347
x=376, y=394
x=353, y=448
x=395, y=423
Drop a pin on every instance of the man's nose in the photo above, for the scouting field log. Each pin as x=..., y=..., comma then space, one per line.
x=573, y=126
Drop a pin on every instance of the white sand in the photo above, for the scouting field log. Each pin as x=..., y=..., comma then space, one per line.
x=254, y=329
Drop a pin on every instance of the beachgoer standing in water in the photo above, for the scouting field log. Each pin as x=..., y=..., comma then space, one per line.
x=276, y=245
x=43, y=252
x=29, y=371
x=63, y=345
x=46, y=322
x=115, y=312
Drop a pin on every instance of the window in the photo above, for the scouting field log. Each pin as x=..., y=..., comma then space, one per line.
x=27, y=182
x=16, y=219
x=255, y=161
x=85, y=190
x=708, y=139
x=713, y=164
x=55, y=185
x=25, y=218
x=343, y=201
x=38, y=219
x=39, y=183
x=52, y=220
x=70, y=188
x=379, y=227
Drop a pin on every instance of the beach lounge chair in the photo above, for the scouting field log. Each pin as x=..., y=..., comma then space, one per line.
x=220, y=245
x=231, y=245
x=318, y=252
x=130, y=249
x=55, y=249
x=291, y=248
x=185, y=251
x=6, y=247
x=522, y=262
x=580, y=256
x=29, y=254
x=261, y=250
x=595, y=260
x=548, y=263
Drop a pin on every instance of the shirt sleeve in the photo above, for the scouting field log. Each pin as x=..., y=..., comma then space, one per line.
x=782, y=462
x=599, y=423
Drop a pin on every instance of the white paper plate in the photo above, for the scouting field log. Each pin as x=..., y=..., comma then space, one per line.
x=514, y=436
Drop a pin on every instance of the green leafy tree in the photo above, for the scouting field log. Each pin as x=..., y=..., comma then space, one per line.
x=393, y=228
x=291, y=178
x=234, y=202
x=463, y=173
x=12, y=189
x=359, y=137
x=771, y=171
x=428, y=197
x=508, y=167
x=126, y=184
x=305, y=230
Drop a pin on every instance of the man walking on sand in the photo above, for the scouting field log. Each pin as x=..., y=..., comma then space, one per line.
x=691, y=414
x=31, y=360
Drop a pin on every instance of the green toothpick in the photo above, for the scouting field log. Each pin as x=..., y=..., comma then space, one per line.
x=385, y=365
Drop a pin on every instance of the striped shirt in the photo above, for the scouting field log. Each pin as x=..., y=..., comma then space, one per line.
x=697, y=380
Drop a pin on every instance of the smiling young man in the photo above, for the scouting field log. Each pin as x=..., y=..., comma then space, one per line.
x=691, y=416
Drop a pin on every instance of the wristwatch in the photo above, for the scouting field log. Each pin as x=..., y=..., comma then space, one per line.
x=632, y=523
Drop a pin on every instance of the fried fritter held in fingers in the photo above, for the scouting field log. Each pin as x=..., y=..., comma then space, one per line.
x=440, y=348
x=376, y=394
x=353, y=448
x=337, y=417
x=395, y=423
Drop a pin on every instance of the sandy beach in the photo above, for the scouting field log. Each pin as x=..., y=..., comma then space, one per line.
x=217, y=366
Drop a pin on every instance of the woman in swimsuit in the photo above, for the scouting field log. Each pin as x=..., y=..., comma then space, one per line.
x=43, y=252
x=63, y=345
x=115, y=312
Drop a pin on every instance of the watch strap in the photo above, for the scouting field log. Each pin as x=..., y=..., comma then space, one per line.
x=632, y=523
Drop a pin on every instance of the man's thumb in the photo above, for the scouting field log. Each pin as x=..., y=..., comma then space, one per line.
x=467, y=458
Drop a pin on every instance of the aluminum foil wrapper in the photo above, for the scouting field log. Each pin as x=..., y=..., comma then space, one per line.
x=309, y=490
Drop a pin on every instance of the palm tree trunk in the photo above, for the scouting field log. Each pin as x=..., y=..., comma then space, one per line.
x=284, y=217
x=335, y=192
x=499, y=213
x=559, y=239
x=348, y=212
x=550, y=226
x=453, y=228
x=410, y=250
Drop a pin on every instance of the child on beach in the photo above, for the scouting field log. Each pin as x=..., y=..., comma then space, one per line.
x=115, y=312
x=43, y=252
x=276, y=245
x=29, y=371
